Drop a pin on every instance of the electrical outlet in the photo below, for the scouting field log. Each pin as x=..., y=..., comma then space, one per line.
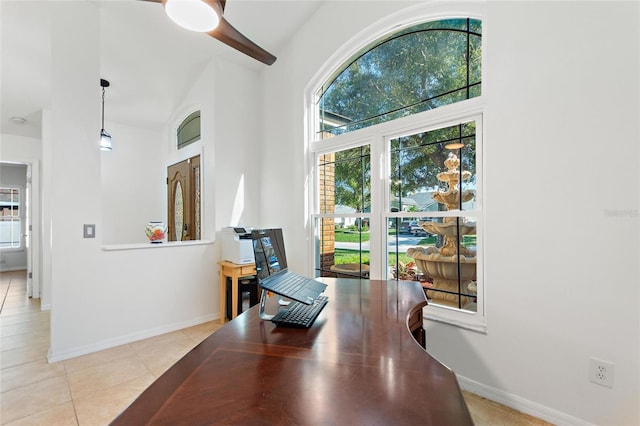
x=601, y=372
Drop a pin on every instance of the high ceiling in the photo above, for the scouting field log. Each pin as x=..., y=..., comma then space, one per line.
x=149, y=61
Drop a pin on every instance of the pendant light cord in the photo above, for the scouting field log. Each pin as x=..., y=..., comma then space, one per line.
x=103, y=108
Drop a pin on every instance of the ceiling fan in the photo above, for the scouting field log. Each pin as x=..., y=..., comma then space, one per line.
x=207, y=16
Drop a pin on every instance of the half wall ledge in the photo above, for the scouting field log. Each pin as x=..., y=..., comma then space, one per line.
x=138, y=246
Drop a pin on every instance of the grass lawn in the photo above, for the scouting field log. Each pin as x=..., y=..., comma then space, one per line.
x=347, y=236
x=353, y=256
x=350, y=256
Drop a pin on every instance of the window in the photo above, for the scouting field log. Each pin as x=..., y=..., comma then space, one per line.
x=10, y=222
x=189, y=130
x=400, y=198
x=433, y=175
x=345, y=194
x=416, y=69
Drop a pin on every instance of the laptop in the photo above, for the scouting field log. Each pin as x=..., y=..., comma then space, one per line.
x=272, y=271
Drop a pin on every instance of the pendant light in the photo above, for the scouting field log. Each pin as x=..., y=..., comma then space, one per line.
x=105, y=137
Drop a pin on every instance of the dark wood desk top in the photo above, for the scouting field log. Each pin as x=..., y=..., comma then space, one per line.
x=357, y=364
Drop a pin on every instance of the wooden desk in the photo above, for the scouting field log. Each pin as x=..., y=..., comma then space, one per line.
x=234, y=271
x=358, y=364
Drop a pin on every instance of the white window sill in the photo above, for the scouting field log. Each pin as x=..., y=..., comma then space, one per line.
x=467, y=320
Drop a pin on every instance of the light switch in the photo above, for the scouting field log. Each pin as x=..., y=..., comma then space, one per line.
x=89, y=230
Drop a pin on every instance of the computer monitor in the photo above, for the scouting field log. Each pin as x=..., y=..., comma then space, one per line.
x=268, y=249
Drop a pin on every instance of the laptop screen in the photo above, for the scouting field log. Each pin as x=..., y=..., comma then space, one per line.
x=268, y=250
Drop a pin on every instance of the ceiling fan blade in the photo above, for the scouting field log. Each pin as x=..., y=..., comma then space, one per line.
x=227, y=34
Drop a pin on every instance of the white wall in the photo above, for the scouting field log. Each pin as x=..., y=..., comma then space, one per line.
x=73, y=181
x=239, y=153
x=104, y=296
x=18, y=148
x=133, y=183
x=561, y=131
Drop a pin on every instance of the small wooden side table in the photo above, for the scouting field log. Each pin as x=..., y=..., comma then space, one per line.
x=233, y=271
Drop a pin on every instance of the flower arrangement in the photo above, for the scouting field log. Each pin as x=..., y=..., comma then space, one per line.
x=155, y=231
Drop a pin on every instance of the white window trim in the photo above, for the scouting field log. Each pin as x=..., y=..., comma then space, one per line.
x=465, y=111
x=379, y=135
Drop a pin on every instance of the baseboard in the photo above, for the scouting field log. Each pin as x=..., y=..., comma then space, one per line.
x=523, y=405
x=13, y=268
x=123, y=340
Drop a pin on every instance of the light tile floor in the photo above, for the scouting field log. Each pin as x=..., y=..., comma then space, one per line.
x=92, y=389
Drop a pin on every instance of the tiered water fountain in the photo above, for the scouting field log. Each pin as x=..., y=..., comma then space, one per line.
x=441, y=264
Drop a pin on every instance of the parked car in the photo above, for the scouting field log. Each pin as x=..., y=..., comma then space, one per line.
x=416, y=229
x=405, y=228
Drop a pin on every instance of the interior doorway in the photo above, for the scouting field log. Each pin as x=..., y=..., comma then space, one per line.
x=183, y=181
x=16, y=218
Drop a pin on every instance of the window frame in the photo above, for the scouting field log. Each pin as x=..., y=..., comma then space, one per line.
x=470, y=320
x=379, y=137
x=20, y=218
x=183, y=124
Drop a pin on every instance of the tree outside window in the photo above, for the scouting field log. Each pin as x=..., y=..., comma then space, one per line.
x=410, y=72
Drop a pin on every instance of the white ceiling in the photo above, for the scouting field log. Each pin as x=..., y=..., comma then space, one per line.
x=148, y=60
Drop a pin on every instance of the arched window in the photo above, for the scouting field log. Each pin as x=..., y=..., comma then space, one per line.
x=400, y=199
x=188, y=131
x=416, y=69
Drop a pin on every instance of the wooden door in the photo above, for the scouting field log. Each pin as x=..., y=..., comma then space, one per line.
x=183, y=181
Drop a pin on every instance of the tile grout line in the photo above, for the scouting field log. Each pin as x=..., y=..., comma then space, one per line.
x=73, y=402
x=4, y=298
x=29, y=316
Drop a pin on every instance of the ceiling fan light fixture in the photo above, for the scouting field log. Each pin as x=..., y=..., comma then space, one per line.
x=194, y=15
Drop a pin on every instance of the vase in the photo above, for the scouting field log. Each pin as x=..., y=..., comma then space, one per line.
x=156, y=232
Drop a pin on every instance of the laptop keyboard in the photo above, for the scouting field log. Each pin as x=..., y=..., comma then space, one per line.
x=291, y=283
x=300, y=315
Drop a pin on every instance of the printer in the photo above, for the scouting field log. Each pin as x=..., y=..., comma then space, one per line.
x=237, y=245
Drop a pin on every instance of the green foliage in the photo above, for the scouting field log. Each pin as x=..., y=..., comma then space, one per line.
x=469, y=240
x=416, y=69
x=353, y=172
x=342, y=256
x=417, y=159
